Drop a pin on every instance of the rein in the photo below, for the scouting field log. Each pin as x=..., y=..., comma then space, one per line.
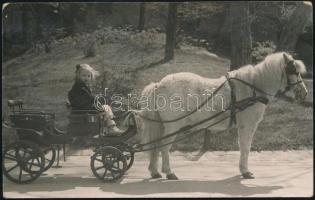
x=260, y=99
x=240, y=106
x=234, y=107
x=184, y=116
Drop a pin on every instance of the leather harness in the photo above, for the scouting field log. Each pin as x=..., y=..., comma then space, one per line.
x=242, y=104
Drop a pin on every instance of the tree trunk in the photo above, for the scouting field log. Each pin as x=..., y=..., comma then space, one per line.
x=241, y=41
x=142, y=16
x=291, y=32
x=91, y=16
x=170, y=32
x=36, y=9
x=24, y=25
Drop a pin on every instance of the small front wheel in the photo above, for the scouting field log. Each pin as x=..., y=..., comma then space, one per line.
x=108, y=164
x=128, y=153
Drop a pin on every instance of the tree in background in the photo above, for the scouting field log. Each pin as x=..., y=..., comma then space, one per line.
x=293, y=29
x=241, y=44
x=141, y=16
x=241, y=40
x=171, y=32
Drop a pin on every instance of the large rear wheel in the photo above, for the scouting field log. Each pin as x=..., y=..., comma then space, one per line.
x=23, y=162
x=50, y=156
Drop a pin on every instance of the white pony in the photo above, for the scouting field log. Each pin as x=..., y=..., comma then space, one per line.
x=176, y=101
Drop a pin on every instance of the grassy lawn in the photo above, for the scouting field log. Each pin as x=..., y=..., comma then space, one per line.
x=43, y=81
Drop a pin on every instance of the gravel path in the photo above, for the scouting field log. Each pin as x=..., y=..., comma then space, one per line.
x=278, y=174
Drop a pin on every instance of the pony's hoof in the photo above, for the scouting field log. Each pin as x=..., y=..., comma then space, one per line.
x=248, y=175
x=171, y=177
x=154, y=176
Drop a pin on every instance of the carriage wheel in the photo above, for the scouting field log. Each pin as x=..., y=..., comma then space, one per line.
x=108, y=164
x=23, y=162
x=128, y=153
x=50, y=157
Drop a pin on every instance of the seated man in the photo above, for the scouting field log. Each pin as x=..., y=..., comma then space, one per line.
x=81, y=97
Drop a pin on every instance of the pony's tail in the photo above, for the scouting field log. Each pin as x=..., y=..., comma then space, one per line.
x=150, y=130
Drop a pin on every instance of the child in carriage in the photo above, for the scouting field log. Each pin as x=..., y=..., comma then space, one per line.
x=81, y=97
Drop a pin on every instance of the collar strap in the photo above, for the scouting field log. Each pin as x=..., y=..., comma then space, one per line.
x=263, y=100
x=236, y=105
x=233, y=101
x=252, y=86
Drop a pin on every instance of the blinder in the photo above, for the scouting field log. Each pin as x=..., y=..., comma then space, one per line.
x=291, y=70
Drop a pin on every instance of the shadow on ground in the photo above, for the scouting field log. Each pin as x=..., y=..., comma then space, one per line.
x=231, y=186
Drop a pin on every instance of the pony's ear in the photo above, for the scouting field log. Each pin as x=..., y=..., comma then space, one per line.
x=286, y=58
x=77, y=67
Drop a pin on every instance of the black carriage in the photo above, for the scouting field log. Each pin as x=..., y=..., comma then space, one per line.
x=39, y=143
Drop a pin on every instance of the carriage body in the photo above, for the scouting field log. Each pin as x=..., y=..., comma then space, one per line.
x=85, y=123
x=38, y=137
x=38, y=126
x=35, y=126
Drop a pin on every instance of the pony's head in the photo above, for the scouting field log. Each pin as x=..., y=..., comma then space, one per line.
x=85, y=73
x=292, y=71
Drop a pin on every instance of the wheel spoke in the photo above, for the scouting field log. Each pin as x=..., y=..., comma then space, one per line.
x=10, y=157
x=38, y=161
x=31, y=164
x=13, y=167
x=34, y=164
x=97, y=168
x=29, y=153
x=112, y=174
x=116, y=169
x=98, y=160
x=24, y=153
x=20, y=175
x=104, y=173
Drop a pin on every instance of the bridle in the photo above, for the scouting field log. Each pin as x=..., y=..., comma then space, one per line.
x=291, y=70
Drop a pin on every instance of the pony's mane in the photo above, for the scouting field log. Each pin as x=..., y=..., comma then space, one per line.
x=300, y=67
x=244, y=72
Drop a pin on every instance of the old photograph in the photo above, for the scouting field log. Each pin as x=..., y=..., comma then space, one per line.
x=157, y=99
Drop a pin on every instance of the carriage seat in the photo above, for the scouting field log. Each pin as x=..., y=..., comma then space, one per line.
x=72, y=111
x=84, y=122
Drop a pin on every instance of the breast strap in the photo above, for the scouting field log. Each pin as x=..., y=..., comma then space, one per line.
x=233, y=101
x=237, y=105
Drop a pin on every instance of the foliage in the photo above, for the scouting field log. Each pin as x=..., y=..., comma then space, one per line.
x=262, y=49
x=286, y=11
x=90, y=49
x=146, y=40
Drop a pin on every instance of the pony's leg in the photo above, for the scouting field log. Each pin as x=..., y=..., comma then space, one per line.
x=153, y=166
x=248, y=122
x=246, y=134
x=166, y=164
